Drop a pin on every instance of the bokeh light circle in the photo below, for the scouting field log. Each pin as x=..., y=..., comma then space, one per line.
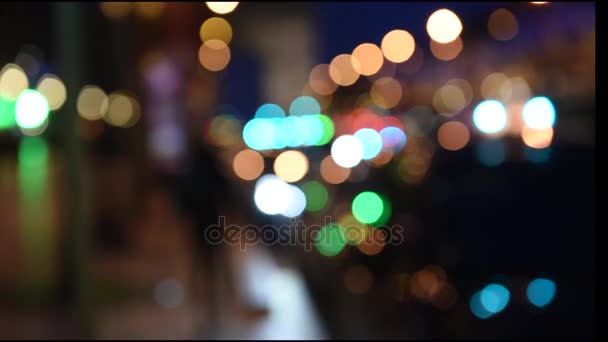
x=347, y=151
x=539, y=113
x=398, y=46
x=248, y=164
x=540, y=292
x=291, y=166
x=490, y=116
x=443, y=26
x=367, y=207
x=31, y=109
x=371, y=141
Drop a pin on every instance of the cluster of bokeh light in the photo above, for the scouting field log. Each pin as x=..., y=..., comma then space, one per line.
x=215, y=34
x=495, y=297
x=28, y=108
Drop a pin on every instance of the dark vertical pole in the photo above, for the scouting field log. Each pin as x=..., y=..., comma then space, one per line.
x=68, y=19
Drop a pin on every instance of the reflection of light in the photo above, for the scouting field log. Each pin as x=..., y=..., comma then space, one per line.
x=31, y=109
x=502, y=25
x=494, y=298
x=316, y=195
x=490, y=116
x=92, y=102
x=248, y=164
x=53, y=89
x=367, y=207
x=330, y=240
x=371, y=141
x=398, y=46
x=446, y=51
x=273, y=196
x=291, y=166
x=222, y=7
x=12, y=81
x=358, y=279
x=333, y=173
x=443, y=26
x=393, y=137
x=476, y=308
x=537, y=155
x=319, y=80
x=368, y=58
x=491, y=152
x=149, y=10
x=214, y=55
x=537, y=138
x=540, y=292
x=115, y=10
x=304, y=105
x=216, y=28
x=347, y=151
x=343, y=70
x=453, y=135
x=539, y=113
x=169, y=293
x=386, y=92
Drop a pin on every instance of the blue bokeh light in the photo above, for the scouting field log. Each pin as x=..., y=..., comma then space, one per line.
x=540, y=292
x=371, y=141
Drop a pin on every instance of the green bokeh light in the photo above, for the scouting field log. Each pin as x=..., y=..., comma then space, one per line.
x=368, y=207
x=7, y=114
x=330, y=240
x=386, y=212
x=31, y=109
x=316, y=195
x=328, y=130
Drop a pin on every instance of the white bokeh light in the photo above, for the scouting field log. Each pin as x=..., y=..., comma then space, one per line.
x=347, y=151
x=490, y=116
x=273, y=196
x=539, y=113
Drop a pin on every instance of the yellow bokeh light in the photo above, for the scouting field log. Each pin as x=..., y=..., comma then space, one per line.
x=53, y=89
x=537, y=138
x=291, y=166
x=123, y=110
x=343, y=70
x=386, y=92
x=12, y=81
x=332, y=173
x=453, y=98
x=320, y=82
x=491, y=85
x=502, y=25
x=447, y=51
x=222, y=7
x=92, y=102
x=398, y=46
x=465, y=87
x=453, y=135
x=149, y=10
x=115, y=10
x=216, y=28
x=248, y=164
x=369, y=59
x=443, y=26
x=214, y=55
